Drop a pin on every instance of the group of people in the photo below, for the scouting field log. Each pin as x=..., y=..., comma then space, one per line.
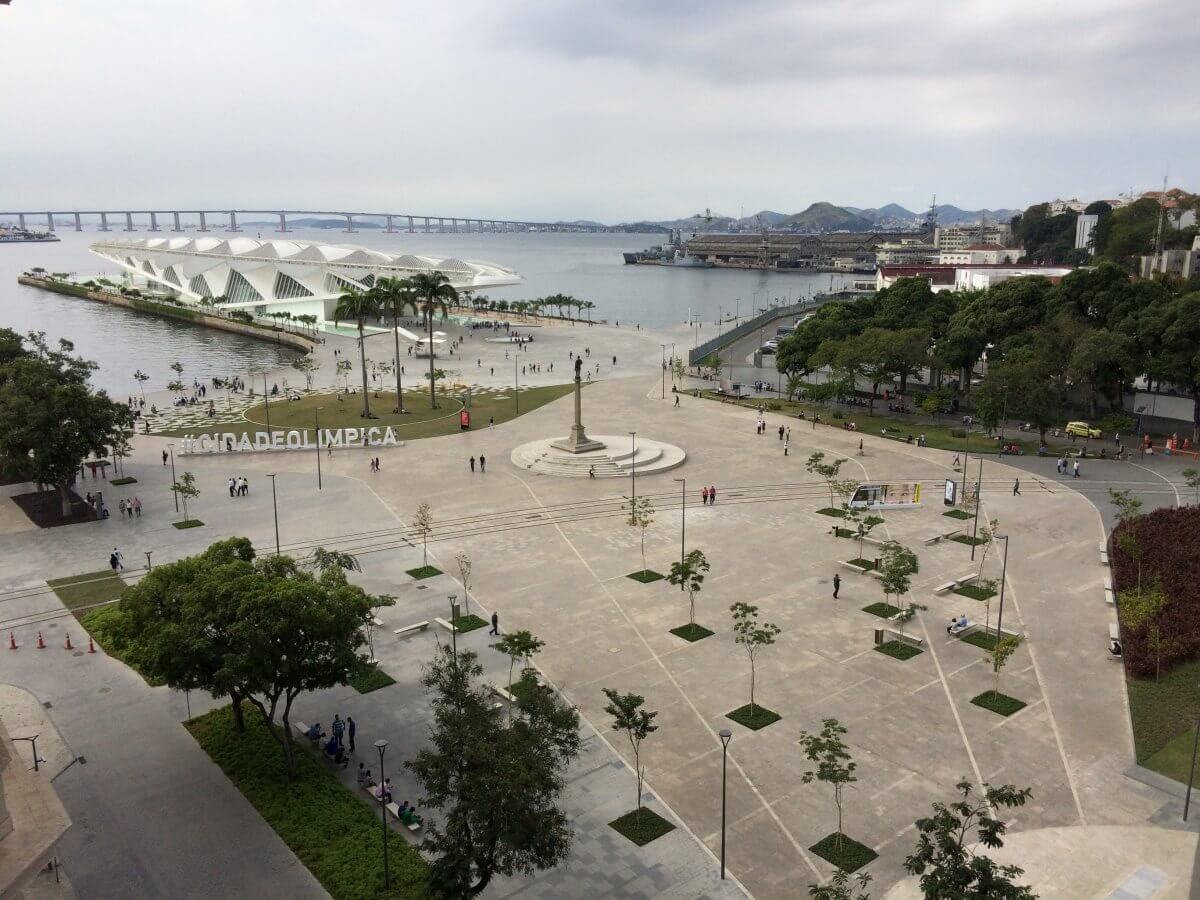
x=239, y=486
x=334, y=743
x=127, y=508
x=708, y=495
x=406, y=813
x=1064, y=467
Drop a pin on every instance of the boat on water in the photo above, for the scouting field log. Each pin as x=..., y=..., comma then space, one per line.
x=22, y=236
x=673, y=253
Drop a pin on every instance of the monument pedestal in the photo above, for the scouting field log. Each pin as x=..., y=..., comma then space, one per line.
x=577, y=441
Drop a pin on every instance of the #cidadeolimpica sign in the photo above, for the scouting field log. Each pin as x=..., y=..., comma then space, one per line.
x=332, y=438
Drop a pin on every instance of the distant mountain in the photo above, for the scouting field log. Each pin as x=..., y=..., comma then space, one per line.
x=952, y=215
x=823, y=216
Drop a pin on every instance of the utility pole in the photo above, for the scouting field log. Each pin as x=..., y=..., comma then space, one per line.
x=317, y=426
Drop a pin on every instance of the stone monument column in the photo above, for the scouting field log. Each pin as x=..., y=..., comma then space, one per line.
x=578, y=441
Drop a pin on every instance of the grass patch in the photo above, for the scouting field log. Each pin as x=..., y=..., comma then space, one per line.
x=88, y=589
x=1175, y=759
x=469, y=622
x=421, y=572
x=899, y=650
x=692, y=632
x=844, y=532
x=645, y=576
x=883, y=610
x=1001, y=704
x=641, y=826
x=975, y=592
x=334, y=832
x=188, y=523
x=848, y=854
x=957, y=514
x=830, y=511
x=1162, y=711
x=370, y=678
x=761, y=717
x=128, y=479
x=968, y=540
x=984, y=640
x=866, y=564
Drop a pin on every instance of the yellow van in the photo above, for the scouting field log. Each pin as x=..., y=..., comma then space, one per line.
x=1082, y=429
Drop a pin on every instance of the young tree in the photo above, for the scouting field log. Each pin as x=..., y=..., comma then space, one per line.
x=1191, y=478
x=1140, y=608
x=794, y=384
x=422, y=524
x=306, y=366
x=496, y=784
x=1005, y=647
x=834, y=765
x=1129, y=514
x=518, y=645
x=689, y=575
x=840, y=887
x=641, y=516
x=463, y=562
x=899, y=565
x=826, y=471
x=987, y=536
x=948, y=867
x=186, y=488
x=321, y=559
x=637, y=723
x=141, y=378
x=177, y=368
x=344, y=368
x=752, y=636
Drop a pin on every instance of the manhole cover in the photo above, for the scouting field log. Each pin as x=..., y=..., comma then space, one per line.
x=77, y=653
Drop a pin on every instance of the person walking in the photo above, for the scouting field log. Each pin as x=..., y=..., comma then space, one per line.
x=472, y=463
x=231, y=486
x=113, y=562
x=338, y=728
x=137, y=506
x=1075, y=471
x=350, y=729
x=164, y=457
x=491, y=422
x=704, y=496
x=781, y=432
x=837, y=584
x=592, y=472
x=677, y=400
x=860, y=446
x=495, y=629
x=1016, y=487
x=119, y=557
x=482, y=463
x=786, y=441
x=712, y=495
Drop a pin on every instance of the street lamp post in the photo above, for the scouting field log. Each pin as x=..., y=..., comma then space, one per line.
x=978, y=491
x=453, y=598
x=683, y=528
x=516, y=389
x=1187, y=798
x=275, y=510
x=725, y=735
x=633, y=464
x=317, y=426
x=381, y=745
x=174, y=481
x=664, y=371
x=1003, y=573
x=267, y=406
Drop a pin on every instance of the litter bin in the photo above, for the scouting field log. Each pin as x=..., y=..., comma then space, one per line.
x=878, y=636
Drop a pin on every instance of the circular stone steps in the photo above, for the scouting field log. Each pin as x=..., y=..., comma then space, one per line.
x=616, y=460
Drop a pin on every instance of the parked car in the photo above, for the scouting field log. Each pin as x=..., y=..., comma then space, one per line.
x=1082, y=429
x=766, y=349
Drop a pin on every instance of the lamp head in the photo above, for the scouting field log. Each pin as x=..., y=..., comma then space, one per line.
x=725, y=735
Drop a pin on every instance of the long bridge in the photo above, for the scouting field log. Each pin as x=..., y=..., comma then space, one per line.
x=227, y=220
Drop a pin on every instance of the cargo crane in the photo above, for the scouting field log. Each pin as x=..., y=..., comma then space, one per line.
x=764, y=246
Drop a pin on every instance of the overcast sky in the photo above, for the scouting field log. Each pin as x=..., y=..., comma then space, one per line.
x=610, y=110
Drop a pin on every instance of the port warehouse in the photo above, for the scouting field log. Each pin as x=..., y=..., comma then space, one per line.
x=840, y=250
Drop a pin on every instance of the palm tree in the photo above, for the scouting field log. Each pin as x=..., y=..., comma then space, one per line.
x=360, y=306
x=395, y=295
x=435, y=291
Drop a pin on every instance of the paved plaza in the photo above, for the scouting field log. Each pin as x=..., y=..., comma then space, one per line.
x=551, y=555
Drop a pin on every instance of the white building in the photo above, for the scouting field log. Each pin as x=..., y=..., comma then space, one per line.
x=299, y=277
x=1084, y=226
x=1057, y=207
x=905, y=252
x=958, y=237
x=965, y=277
x=980, y=255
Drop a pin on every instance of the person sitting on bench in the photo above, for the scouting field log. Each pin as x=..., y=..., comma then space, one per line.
x=957, y=625
x=314, y=732
x=364, y=775
x=384, y=791
x=1114, y=647
x=408, y=814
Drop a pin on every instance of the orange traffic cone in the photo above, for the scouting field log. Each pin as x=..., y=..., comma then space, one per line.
x=12, y=641
x=67, y=645
x=91, y=646
x=41, y=644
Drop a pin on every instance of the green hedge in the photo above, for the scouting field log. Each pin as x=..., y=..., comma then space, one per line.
x=333, y=831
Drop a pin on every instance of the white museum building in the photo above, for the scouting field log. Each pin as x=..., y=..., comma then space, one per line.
x=268, y=276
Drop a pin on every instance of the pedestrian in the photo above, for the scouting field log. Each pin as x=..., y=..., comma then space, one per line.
x=677, y=400
x=472, y=463
x=137, y=506
x=592, y=472
x=129, y=508
x=495, y=624
x=781, y=432
x=119, y=557
x=338, y=728
x=712, y=495
x=231, y=486
x=491, y=422
x=953, y=465
x=704, y=496
x=164, y=457
x=837, y=584
x=785, y=447
x=1016, y=487
x=482, y=463
x=860, y=446
x=350, y=729
x=787, y=435
x=1075, y=473
x=112, y=560
x=121, y=509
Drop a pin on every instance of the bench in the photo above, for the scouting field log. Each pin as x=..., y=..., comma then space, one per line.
x=909, y=639
x=1104, y=557
x=1114, y=631
x=966, y=579
x=956, y=630
x=376, y=621
x=1108, y=583
x=1109, y=597
x=852, y=567
x=410, y=629
x=1114, y=640
x=936, y=539
x=502, y=693
x=301, y=729
x=945, y=588
x=444, y=624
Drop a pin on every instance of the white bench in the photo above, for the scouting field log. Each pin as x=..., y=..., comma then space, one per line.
x=410, y=629
x=936, y=539
x=1109, y=597
x=444, y=624
x=956, y=630
x=852, y=567
x=1104, y=557
x=301, y=729
x=966, y=579
x=909, y=639
x=1108, y=583
x=376, y=621
x=502, y=693
x=945, y=588
x=1114, y=631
